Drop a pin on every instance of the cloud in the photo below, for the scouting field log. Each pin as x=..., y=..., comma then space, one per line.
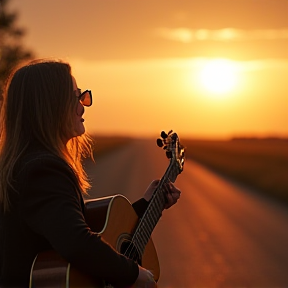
x=186, y=35
x=179, y=34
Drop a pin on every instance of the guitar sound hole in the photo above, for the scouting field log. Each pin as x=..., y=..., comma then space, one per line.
x=128, y=249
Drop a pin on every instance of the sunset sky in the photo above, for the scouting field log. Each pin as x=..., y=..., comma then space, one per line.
x=206, y=68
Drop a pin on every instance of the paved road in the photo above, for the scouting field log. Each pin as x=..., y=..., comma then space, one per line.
x=218, y=235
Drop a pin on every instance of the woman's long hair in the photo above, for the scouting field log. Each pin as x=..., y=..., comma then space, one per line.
x=38, y=105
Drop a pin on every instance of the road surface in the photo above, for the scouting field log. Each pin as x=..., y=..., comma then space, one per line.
x=218, y=234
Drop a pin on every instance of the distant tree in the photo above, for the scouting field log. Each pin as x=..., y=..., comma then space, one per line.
x=11, y=50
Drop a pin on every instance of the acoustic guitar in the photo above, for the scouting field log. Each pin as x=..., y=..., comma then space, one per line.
x=119, y=225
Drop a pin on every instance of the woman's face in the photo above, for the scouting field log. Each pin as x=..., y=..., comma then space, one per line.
x=79, y=126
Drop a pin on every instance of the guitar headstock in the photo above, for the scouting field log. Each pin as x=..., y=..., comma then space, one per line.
x=174, y=151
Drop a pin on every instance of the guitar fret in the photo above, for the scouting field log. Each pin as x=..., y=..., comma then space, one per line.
x=140, y=243
x=153, y=213
x=152, y=221
x=154, y=216
x=159, y=203
x=141, y=239
x=149, y=222
x=146, y=231
x=146, y=227
x=146, y=235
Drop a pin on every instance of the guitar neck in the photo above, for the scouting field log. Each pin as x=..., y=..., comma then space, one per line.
x=153, y=212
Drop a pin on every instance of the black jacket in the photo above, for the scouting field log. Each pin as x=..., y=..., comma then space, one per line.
x=47, y=212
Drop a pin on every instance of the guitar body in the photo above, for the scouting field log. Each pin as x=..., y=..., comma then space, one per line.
x=115, y=220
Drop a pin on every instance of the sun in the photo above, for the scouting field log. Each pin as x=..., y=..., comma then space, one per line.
x=218, y=76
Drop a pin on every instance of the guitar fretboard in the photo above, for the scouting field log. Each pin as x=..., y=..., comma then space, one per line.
x=153, y=212
x=146, y=225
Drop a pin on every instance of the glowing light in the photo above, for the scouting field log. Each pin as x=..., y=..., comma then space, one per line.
x=218, y=76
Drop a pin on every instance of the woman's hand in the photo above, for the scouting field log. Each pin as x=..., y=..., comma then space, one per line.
x=145, y=279
x=172, y=193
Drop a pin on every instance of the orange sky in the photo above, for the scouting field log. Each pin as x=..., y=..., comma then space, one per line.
x=143, y=61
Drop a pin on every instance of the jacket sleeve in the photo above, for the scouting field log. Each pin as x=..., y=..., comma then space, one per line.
x=51, y=206
x=140, y=207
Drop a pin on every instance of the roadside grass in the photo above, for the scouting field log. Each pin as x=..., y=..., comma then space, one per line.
x=259, y=163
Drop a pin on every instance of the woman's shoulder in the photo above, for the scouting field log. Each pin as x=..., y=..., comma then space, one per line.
x=41, y=167
x=37, y=158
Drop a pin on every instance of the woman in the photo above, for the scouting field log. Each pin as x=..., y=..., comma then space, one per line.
x=42, y=181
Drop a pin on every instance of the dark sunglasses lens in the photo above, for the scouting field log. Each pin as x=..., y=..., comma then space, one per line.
x=86, y=98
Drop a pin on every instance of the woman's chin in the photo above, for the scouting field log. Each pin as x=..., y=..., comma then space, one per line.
x=80, y=130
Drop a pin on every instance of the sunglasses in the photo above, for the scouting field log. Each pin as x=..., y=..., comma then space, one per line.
x=85, y=97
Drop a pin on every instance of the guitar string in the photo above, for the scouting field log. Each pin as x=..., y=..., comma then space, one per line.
x=159, y=203
x=149, y=221
x=137, y=243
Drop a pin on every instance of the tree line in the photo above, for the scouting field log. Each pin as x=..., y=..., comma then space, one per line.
x=12, y=51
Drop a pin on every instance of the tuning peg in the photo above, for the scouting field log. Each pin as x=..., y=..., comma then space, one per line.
x=160, y=142
x=164, y=135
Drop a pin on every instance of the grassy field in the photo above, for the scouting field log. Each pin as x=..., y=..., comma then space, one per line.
x=258, y=163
